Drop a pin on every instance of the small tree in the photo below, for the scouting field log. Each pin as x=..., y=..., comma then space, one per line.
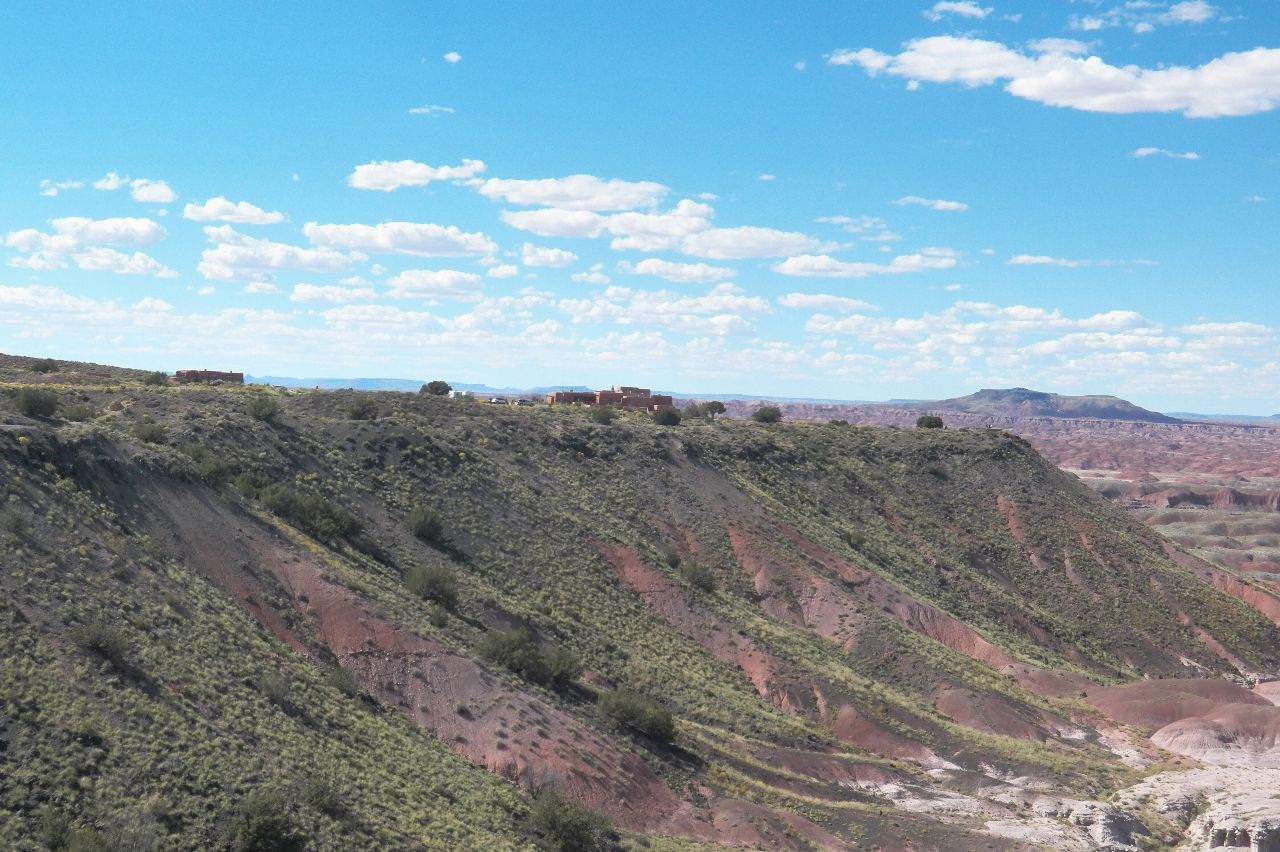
x=436, y=388
x=156, y=378
x=638, y=712
x=928, y=421
x=36, y=403
x=666, y=416
x=263, y=407
x=603, y=414
x=568, y=826
x=712, y=408
x=263, y=823
x=425, y=525
x=362, y=408
x=45, y=365
x=699, y=576
x=767, y=414
x=433, y=583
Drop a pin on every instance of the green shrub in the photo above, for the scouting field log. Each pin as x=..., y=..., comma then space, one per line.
x=311, y=513
x=433, y=583
x=362, y=408
x=436, y=388
x=101, y=638
x=603, y=414
x=263, y=823
x=151, y=433
x=928, y=421
x=263, y=407
x=275, y=688
x=425, y=525
x=34, y=402
x=699, y=576
x=666, y=417
x=45, y=365
x=343, y=681
x=516, y=650
x=78, y=412
x=320, y=792
x=638, y=712
x=156, y=378
x=568, y=826
x=767, y=414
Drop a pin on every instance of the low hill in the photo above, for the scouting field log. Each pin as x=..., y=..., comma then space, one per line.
x=1021, y=402
x=381, y=620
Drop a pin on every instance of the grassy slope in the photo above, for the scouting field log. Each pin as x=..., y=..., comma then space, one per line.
x=524, y=496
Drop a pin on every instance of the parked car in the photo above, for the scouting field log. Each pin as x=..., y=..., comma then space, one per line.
x=524, y=402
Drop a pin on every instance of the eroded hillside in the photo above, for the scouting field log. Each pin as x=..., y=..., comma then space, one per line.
x=402, y=615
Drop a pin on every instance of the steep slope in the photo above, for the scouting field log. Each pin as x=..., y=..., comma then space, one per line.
x=1021, y=402
x=867, y=636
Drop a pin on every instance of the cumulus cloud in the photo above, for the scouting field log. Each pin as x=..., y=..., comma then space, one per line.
x=824, y=302
x=411, y=238
x=219, y=209
x=110, y=182
x=152, y=191
x=963, y=9
x=436, y=284
x=1238, y=83
x=594, y=275
x=237, y=257
x=51, y=188
x=150, y=303
x=433, y=110
x=1161, y=152
x=335, y=294
x=680, y=273
x=1047, y=260
x=386, y=176
x=723, y=311
x=110, y=260
x=125, y=231
x=825, y=266
x=933, y=204
x=575, y=192
x=745, y=242
x=532, y=255
x=503, y=270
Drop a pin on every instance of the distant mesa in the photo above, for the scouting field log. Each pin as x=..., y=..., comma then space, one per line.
x=1021, y=402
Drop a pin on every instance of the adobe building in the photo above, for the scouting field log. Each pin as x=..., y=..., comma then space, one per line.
x=622, y=397
x=207, y=377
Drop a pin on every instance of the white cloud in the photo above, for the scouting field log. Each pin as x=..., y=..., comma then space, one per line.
x=152, y=191
x=1240, y=83
x=219, y=209
x=50, y=188
x=385, y=175
x=963, y=8
x=110, y=182
x=1190, y=12
x=1047, y=260
x=1062, y=46
x=745, y=242
x=433, y=110
x=436, y=284
x=767, y=178
x=151, y=303
x=237, y=257
x=532, y=255
x=575, y=192
x=453, y=57
x=110, y=260
x=1161, y=152
x=681, y=273
x=329, y=293
x=825, y=266
x=260, y=288
x=126, y=231
x=1255, y=199
x=824, y=302
x=503, y=270
x=594, y=275
x=723, y=311
x=933, y=204
x=411, y=238
x=555, y=222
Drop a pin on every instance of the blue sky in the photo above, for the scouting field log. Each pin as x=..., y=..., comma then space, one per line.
x=861, y=200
